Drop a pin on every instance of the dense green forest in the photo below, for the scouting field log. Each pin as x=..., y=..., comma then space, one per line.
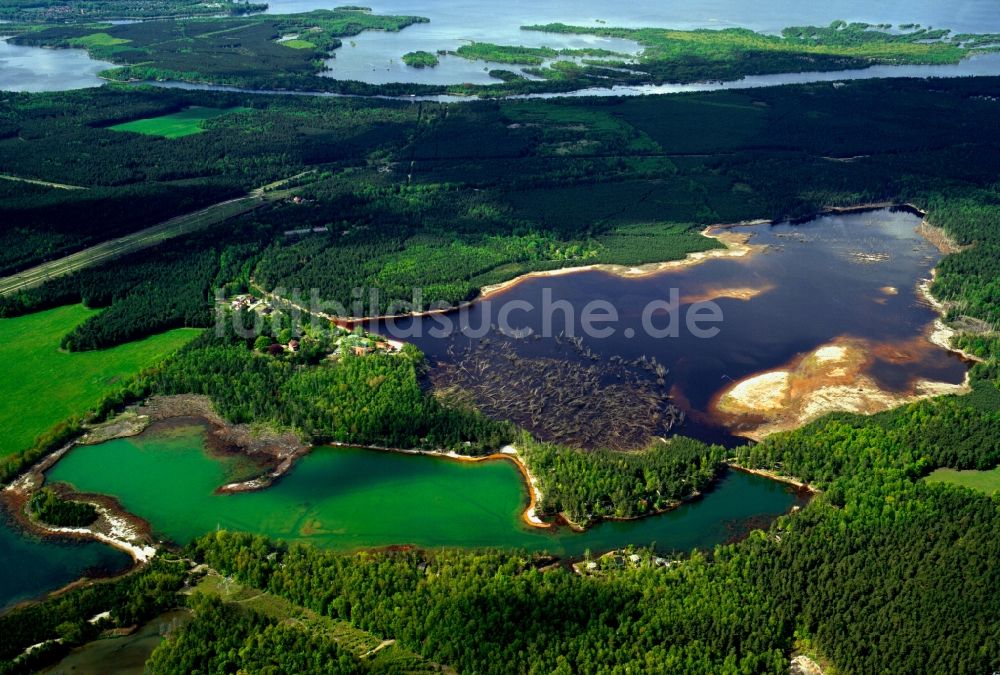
x=588, y=486
x=225, y=638
x=130, y=599
x=374, y=399
x=878, y=579
x=133, y=181
x=879, y=573
x=144, y=294
x=58, y=11
x=422, y=194
x=50, y=508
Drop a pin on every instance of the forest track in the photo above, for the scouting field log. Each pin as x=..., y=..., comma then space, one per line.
x=44, y=183
x=143, y=239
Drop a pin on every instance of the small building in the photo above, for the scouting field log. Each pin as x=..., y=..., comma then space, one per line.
x=361, y=350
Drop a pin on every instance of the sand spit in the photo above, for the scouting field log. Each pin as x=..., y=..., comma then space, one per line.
x=939, y=239
x=744, y=293
x=115, y=529
x=941, y=333
x=736, y=245
x=831, y=378
x=113, y=526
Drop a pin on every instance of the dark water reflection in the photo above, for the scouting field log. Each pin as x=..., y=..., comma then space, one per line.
x=838, y=277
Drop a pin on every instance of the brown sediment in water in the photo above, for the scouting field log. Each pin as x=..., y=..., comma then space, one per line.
x=939, y=238
x=272, y=451
x=726, y=293
x=831, y=378
x=252, y=440
x=786, y=398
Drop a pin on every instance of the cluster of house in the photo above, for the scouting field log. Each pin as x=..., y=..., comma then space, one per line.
x=620, y=560
x=361, y=345
x=248, y=301
x=358, y=343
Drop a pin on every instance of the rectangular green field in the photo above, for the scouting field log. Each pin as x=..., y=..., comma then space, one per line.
x=298, y=44
x=176, y=125
x=983, y=481
x=43, y=385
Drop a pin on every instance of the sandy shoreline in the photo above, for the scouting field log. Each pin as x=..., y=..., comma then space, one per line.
x=802, y=485
x=942, y=334
x=831, y=378
x=114, y=526
x=734, y=246
x=810, y=386
x=118, y=528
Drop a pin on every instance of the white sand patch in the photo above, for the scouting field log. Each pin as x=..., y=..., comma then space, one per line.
x=830, y=353
x=761, y=393
x=115, y=531
x=829, y=379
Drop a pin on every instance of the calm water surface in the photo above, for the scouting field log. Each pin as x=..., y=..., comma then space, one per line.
x=345, y=499
x=845, y=276
x=32, y=566
x=37, y=69
x=375, y=57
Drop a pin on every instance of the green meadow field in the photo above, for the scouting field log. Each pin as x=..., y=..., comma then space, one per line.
x=175, y=125
x=983, y=481
x=299, y=44
x=43, y=385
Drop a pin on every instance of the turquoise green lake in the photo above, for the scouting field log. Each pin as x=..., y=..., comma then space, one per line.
x=346, y=499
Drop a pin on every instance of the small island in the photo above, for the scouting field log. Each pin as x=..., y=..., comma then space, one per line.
x=420, y=59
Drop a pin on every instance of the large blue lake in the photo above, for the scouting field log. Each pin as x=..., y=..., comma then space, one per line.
x=376, y=57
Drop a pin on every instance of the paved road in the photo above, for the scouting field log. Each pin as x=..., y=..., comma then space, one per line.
x=151, y=236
